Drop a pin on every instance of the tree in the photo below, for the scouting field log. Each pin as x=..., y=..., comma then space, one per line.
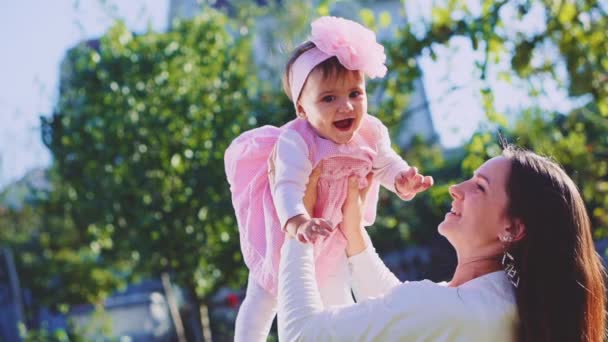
x=576, y=140
x=46, y=247
x=573, y=33
x=142, y=123
x=138, y=138
x=569, y=51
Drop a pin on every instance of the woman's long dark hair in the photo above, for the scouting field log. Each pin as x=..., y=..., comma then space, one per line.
x=561, y=294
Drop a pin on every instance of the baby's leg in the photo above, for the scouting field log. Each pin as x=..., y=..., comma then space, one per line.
x=256, y=314
x=336, y=287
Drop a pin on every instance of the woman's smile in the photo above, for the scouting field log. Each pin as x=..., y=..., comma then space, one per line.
x=453, y=213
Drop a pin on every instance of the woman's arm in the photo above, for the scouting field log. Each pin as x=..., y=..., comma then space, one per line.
x=370, y=276
x=398, y=312
x=415, y=311
x=352, y=216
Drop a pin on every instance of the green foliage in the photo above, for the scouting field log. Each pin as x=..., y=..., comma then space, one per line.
x=138, y=139
x=577, y=140
x=142, y=123
x=44, y=334
x=18, y=224
x=59, y=264
x=576, y=30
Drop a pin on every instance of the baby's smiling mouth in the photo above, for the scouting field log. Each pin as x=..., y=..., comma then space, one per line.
x=345, y=124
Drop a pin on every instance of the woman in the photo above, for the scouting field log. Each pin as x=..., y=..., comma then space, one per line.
x=519, y=208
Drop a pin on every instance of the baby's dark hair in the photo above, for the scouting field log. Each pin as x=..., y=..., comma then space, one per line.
x=330, y=68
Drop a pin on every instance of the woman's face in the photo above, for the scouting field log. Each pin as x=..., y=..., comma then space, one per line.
x=478, y=214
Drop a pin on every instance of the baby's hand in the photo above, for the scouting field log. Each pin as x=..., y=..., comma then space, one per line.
x=313, y=229
x=408, y=183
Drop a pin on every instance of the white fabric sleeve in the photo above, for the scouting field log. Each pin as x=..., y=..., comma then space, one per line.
x=415, y=311
x=387, y=163
x=369, y=275
x=292, y=169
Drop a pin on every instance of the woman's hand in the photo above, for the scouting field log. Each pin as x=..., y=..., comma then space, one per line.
x=310, y=196
x=352, y=212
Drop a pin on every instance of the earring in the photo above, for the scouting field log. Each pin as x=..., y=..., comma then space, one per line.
x=508, y=261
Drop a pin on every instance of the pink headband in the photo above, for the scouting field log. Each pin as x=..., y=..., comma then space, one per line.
x=353, y=44
x=302, y=67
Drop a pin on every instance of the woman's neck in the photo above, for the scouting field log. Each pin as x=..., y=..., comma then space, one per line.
x=474, y=267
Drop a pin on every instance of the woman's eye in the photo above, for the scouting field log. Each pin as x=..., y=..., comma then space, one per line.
x=481, y=188
x=328, y=98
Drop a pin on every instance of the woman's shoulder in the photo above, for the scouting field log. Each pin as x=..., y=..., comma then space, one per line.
x=489, y=292
x=490, y=288
x=491, y=299
x=424, y=293
x=481, y=306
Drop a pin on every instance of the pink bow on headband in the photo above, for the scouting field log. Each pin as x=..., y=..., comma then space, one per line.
x=353, y=44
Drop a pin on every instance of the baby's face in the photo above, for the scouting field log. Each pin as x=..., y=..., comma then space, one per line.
x=334, y=107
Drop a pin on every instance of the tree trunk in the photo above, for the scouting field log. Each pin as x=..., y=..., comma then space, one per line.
x=205, y=323
x=200, y=327
x=177, y=320
x=14, y=290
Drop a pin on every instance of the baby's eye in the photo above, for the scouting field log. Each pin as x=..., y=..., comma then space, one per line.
x=481, y=188
x=355, y=93
x=328, y=98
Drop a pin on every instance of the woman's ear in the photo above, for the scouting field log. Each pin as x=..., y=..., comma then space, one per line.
x=517, y=230
x=514, y=231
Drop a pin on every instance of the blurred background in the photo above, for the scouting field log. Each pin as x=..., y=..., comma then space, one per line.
x=115, y=216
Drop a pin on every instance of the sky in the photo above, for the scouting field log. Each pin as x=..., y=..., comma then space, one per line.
x=36, y=35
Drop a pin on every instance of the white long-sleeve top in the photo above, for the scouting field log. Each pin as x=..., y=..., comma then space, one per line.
x=371, y=144
x=482, y=309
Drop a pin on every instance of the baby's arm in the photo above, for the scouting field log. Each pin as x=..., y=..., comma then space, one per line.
x=290, y=169
x=387, y=164
x=394, y=173
x=310, y=230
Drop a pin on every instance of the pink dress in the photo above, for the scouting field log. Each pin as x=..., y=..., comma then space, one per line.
x=264, y=199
